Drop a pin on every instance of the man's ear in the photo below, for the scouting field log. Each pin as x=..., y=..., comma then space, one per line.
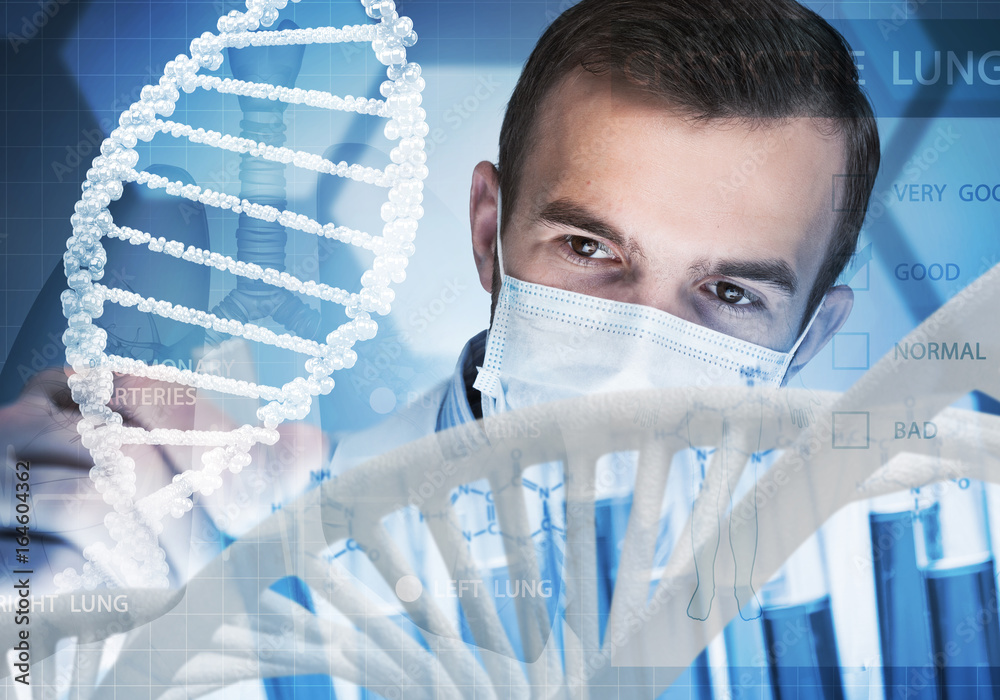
x=836, y=308
x=483, y=217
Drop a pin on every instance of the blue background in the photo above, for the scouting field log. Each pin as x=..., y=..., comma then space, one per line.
x=67, y=78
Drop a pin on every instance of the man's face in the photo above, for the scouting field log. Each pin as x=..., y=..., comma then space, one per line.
x=720, y=223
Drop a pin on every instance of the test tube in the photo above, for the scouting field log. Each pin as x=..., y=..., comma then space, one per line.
x=746, y=658
x=616, y=484
x=611, y=521
x=797, y=620
x=955, y=557
x=903, y=615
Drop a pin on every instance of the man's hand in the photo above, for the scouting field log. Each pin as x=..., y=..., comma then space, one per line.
x=41, y=428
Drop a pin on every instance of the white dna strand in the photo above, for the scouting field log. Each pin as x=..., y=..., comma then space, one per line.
x=136, y=559
x=242, y=630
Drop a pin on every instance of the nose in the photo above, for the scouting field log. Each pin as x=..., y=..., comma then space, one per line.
x=665, y=292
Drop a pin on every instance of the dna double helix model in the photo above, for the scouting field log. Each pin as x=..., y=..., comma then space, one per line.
x=377, y=629
x=263, y=288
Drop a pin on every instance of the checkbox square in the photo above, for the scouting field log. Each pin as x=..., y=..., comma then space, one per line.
x=851, y=430
x=851, y=351
x=857, y=273
x=861, y=281
x=842, y=184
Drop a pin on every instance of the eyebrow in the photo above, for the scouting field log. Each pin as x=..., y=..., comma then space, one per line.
x=565, y=212
x=776, y=273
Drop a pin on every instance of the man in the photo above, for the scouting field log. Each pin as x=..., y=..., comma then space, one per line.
x=679, y=186
x=708, y=160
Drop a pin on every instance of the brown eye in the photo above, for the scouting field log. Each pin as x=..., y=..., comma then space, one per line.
x=588, y=247
x=732, y=294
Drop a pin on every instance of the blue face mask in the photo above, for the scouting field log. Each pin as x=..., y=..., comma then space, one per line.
x=547, y=344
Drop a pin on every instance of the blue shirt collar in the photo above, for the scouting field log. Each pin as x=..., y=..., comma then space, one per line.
x=457, y=406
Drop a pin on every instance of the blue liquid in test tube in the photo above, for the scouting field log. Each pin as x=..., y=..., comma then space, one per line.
x=748, y=674
x=545, y=504
x=802, y=651
x=904, y=632
x=955, y=556
x=787, y=625
x=799, y=640
x=694, y=684
x=611, y=522
x=964, y=613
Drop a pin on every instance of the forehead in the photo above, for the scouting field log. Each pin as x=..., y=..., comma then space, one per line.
x=694, y=187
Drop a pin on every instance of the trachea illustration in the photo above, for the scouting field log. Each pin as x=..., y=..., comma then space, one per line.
x=261, y=241
x=264, y=289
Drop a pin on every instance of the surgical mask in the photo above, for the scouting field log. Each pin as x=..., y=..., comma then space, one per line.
x=547, y=344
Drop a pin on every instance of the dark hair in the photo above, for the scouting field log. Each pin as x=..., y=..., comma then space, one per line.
x=747, y=60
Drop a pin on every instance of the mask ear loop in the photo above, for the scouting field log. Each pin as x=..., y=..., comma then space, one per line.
x=499, y=247
x=488, y=380
x=802, y=336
